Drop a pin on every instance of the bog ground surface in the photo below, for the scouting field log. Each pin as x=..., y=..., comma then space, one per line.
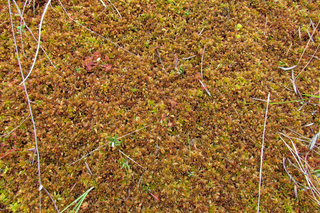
x=159, y=106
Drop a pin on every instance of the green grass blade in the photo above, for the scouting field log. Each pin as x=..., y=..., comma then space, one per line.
x=286, y=102
x=78, y=204
x=314, y=96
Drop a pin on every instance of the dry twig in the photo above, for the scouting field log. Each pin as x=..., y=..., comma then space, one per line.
x=262, y=148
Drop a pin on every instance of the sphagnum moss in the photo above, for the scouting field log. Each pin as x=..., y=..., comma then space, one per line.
x=217, y=170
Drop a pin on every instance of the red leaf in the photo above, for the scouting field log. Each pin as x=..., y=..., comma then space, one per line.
x=88, y=63
x=107, y=67
x=96, y=55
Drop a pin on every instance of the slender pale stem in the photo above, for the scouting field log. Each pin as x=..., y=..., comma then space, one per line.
x=29, y=105
x=262, y=147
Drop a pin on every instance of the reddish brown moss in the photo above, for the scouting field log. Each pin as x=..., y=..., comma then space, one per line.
x=201, y=153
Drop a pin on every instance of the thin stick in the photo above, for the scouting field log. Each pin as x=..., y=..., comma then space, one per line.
x=186, y=58
x=205, y=87
x=287, y=68
x=308, y=41
x=299, y=31
x=312, y=24
x=114, y=7
x=51, y=198
x=202, y=61
x=104, y=4
x=262, y=147
x=140, y=179
x=304, y=168
x=316, y=57
x=295, y=88
x=39, y=40
x=29, y=104
x=310, y=36
x=130, y=133
x=34, y=7
x=201, y=31
x=88, y=168
x=154, y=197
x=132, y=159
x=8, y=133
x=25, y=24
x=21, y=18
x=73, y=187
x=309, y=61
x=294, y=85
x=289, y=48
x=259, y=99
